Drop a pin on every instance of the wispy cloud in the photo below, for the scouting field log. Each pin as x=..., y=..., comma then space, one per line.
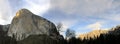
x=88, y=7
x=5, y=12
x=95, y=26
x=91, y=10
x=8, y=8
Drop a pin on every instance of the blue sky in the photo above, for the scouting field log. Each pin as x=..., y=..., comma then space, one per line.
x=80, y=15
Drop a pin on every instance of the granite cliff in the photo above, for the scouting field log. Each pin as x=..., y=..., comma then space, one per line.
x=25, y=23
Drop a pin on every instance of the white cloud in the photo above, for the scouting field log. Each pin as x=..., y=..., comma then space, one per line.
x=95, y=26
x=5, y=12
x=67, y=24
x=38, y=7
x=114, y=17
x=82, y=6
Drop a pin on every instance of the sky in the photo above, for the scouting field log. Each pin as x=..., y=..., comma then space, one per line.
x=82, y=16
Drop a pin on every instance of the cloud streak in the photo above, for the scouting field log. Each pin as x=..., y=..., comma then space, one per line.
x=88, y=7
x=95, y=26
x=97, y=10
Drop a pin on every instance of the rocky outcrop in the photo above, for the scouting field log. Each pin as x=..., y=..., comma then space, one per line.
x=25, y=23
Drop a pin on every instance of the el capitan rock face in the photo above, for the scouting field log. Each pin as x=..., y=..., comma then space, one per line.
x=25, y=23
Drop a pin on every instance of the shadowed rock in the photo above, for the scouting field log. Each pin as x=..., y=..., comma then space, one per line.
x=40, y=39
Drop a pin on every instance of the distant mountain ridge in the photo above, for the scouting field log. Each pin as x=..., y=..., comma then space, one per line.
x=96, y=33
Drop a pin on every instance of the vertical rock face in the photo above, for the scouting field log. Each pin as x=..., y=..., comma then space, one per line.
x=25, y=23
